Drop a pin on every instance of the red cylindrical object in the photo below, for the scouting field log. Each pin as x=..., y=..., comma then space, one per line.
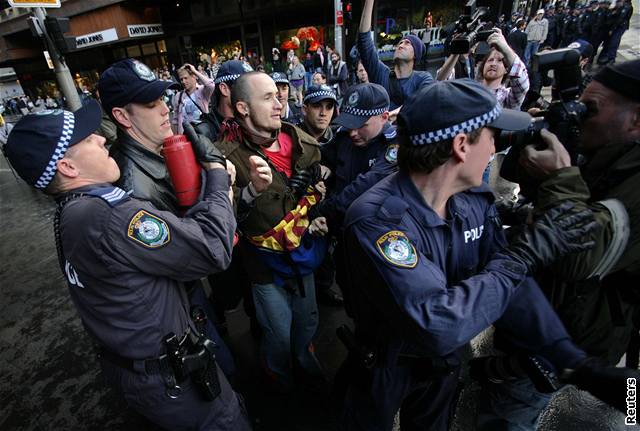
x=183, y=169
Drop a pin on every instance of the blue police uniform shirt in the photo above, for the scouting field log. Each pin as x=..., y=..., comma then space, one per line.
x=124, y=260
x=448, y=276
x=378, y=72
x=356, y=169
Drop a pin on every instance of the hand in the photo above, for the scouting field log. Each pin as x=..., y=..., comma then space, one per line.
x=189, y=67
x=203, y=148
x=541, y=163
x=393, y=115
x=497, y=39
x=320, y=187
x=559, y=231
x=231, y=170
x=324, y=172
x=319, y=227
x=260, y=174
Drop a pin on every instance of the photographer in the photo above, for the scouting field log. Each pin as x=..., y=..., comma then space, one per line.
x=594, y=292
x=500, y=67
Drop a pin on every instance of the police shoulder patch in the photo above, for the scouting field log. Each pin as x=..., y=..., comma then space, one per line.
x=148, y=230
x=392, y=153
x=396, y=248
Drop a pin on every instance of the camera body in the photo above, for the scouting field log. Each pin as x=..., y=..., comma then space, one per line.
x=469, y=29
x=563, y=117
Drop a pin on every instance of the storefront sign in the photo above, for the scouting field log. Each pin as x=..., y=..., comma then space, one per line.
x=143, y=30
x=32, y=3
x=96, y=38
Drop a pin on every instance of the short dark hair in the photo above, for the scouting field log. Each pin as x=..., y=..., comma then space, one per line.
x=425, y=158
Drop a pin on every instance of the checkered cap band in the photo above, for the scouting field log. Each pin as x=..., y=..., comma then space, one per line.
x=226, y=78
x=451, y=131
x=322, y=93
x=61, y=148
x=364, y=112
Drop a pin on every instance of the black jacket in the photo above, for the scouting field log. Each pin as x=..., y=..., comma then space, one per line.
x=143, y=173
x=517, y=40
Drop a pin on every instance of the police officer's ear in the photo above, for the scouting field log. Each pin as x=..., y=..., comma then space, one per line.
x=460, y=147
x=66, y=167
x=225, y=89
x=122, y=117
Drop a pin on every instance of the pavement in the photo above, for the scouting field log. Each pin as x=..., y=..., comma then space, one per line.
x=50, y=379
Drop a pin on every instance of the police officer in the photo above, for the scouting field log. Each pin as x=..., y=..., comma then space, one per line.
x=364, y=144
x=401, y=81
x=595, y=293
x=290, y=112
x=432, y=267
x=361, y=154
x=124, y=259
x=618, y=23
x=599, y=25
x=212, y=122
x=571, y=27
x=318, y=110
x=132, y=95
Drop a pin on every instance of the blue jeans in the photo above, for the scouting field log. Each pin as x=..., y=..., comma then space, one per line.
x=532, y=48
x=289, y=323
x=307, y=80
x=511, y=406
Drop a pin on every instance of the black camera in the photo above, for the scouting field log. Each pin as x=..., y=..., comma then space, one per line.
x=469, y=29
x=563, y=117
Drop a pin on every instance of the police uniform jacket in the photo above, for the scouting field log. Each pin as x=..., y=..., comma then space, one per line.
x=420, y=296
x=278, y=199
x=355, y=169
x=598, y=311
x=124, y=260
x=143, y=173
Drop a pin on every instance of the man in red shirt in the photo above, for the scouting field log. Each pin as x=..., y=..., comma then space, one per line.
x=280, y=254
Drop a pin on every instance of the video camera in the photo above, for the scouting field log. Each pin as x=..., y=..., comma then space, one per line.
x=563, y=117
x=469, y=29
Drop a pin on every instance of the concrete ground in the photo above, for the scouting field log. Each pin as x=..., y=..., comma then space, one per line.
x=50, y=380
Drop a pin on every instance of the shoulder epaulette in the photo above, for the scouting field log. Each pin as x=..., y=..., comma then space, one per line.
x=390, y=133
x=111, y=195
x=392, y=209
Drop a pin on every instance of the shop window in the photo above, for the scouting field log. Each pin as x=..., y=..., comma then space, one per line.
x=149, y=48
x=133, y=51
x=162, y=47
x=119, y=53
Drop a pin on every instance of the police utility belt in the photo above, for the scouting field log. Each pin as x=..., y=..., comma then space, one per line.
x=427, y=367
x=189, y=356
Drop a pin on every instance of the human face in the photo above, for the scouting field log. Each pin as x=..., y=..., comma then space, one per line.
x=283, y=94
x=605, y=123
x=494, y=66
x=317, y=79
x=318, y=115
x=369, y=130
x=92, y=160
x=404, y=51
x=149, y=123
x=478, y=157
x=363, y=77
x=187, y=80
x=264, y=107
x=334, y=57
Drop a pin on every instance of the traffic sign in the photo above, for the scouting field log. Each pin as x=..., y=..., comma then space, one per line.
x=34, y=3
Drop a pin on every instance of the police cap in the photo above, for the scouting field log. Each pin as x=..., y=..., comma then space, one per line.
x=440, y=111
x=39, y=140
x=130, y=81
x=361, y=102
x=232, y=70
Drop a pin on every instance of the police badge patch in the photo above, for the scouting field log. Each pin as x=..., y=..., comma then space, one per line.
x=148, y=230
x=353, y=99
x=396, y=248
x=392, y=153
x=143, y=71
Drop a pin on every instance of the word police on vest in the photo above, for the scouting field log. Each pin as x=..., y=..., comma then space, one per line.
x=473, y=234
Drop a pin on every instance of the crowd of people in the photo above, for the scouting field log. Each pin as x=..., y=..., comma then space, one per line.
x=376, y=184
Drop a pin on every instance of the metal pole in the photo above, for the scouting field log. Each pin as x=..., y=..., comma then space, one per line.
x=63, y=75
x=339, y=48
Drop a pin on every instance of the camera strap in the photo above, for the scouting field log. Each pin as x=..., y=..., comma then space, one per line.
x=620, y=237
